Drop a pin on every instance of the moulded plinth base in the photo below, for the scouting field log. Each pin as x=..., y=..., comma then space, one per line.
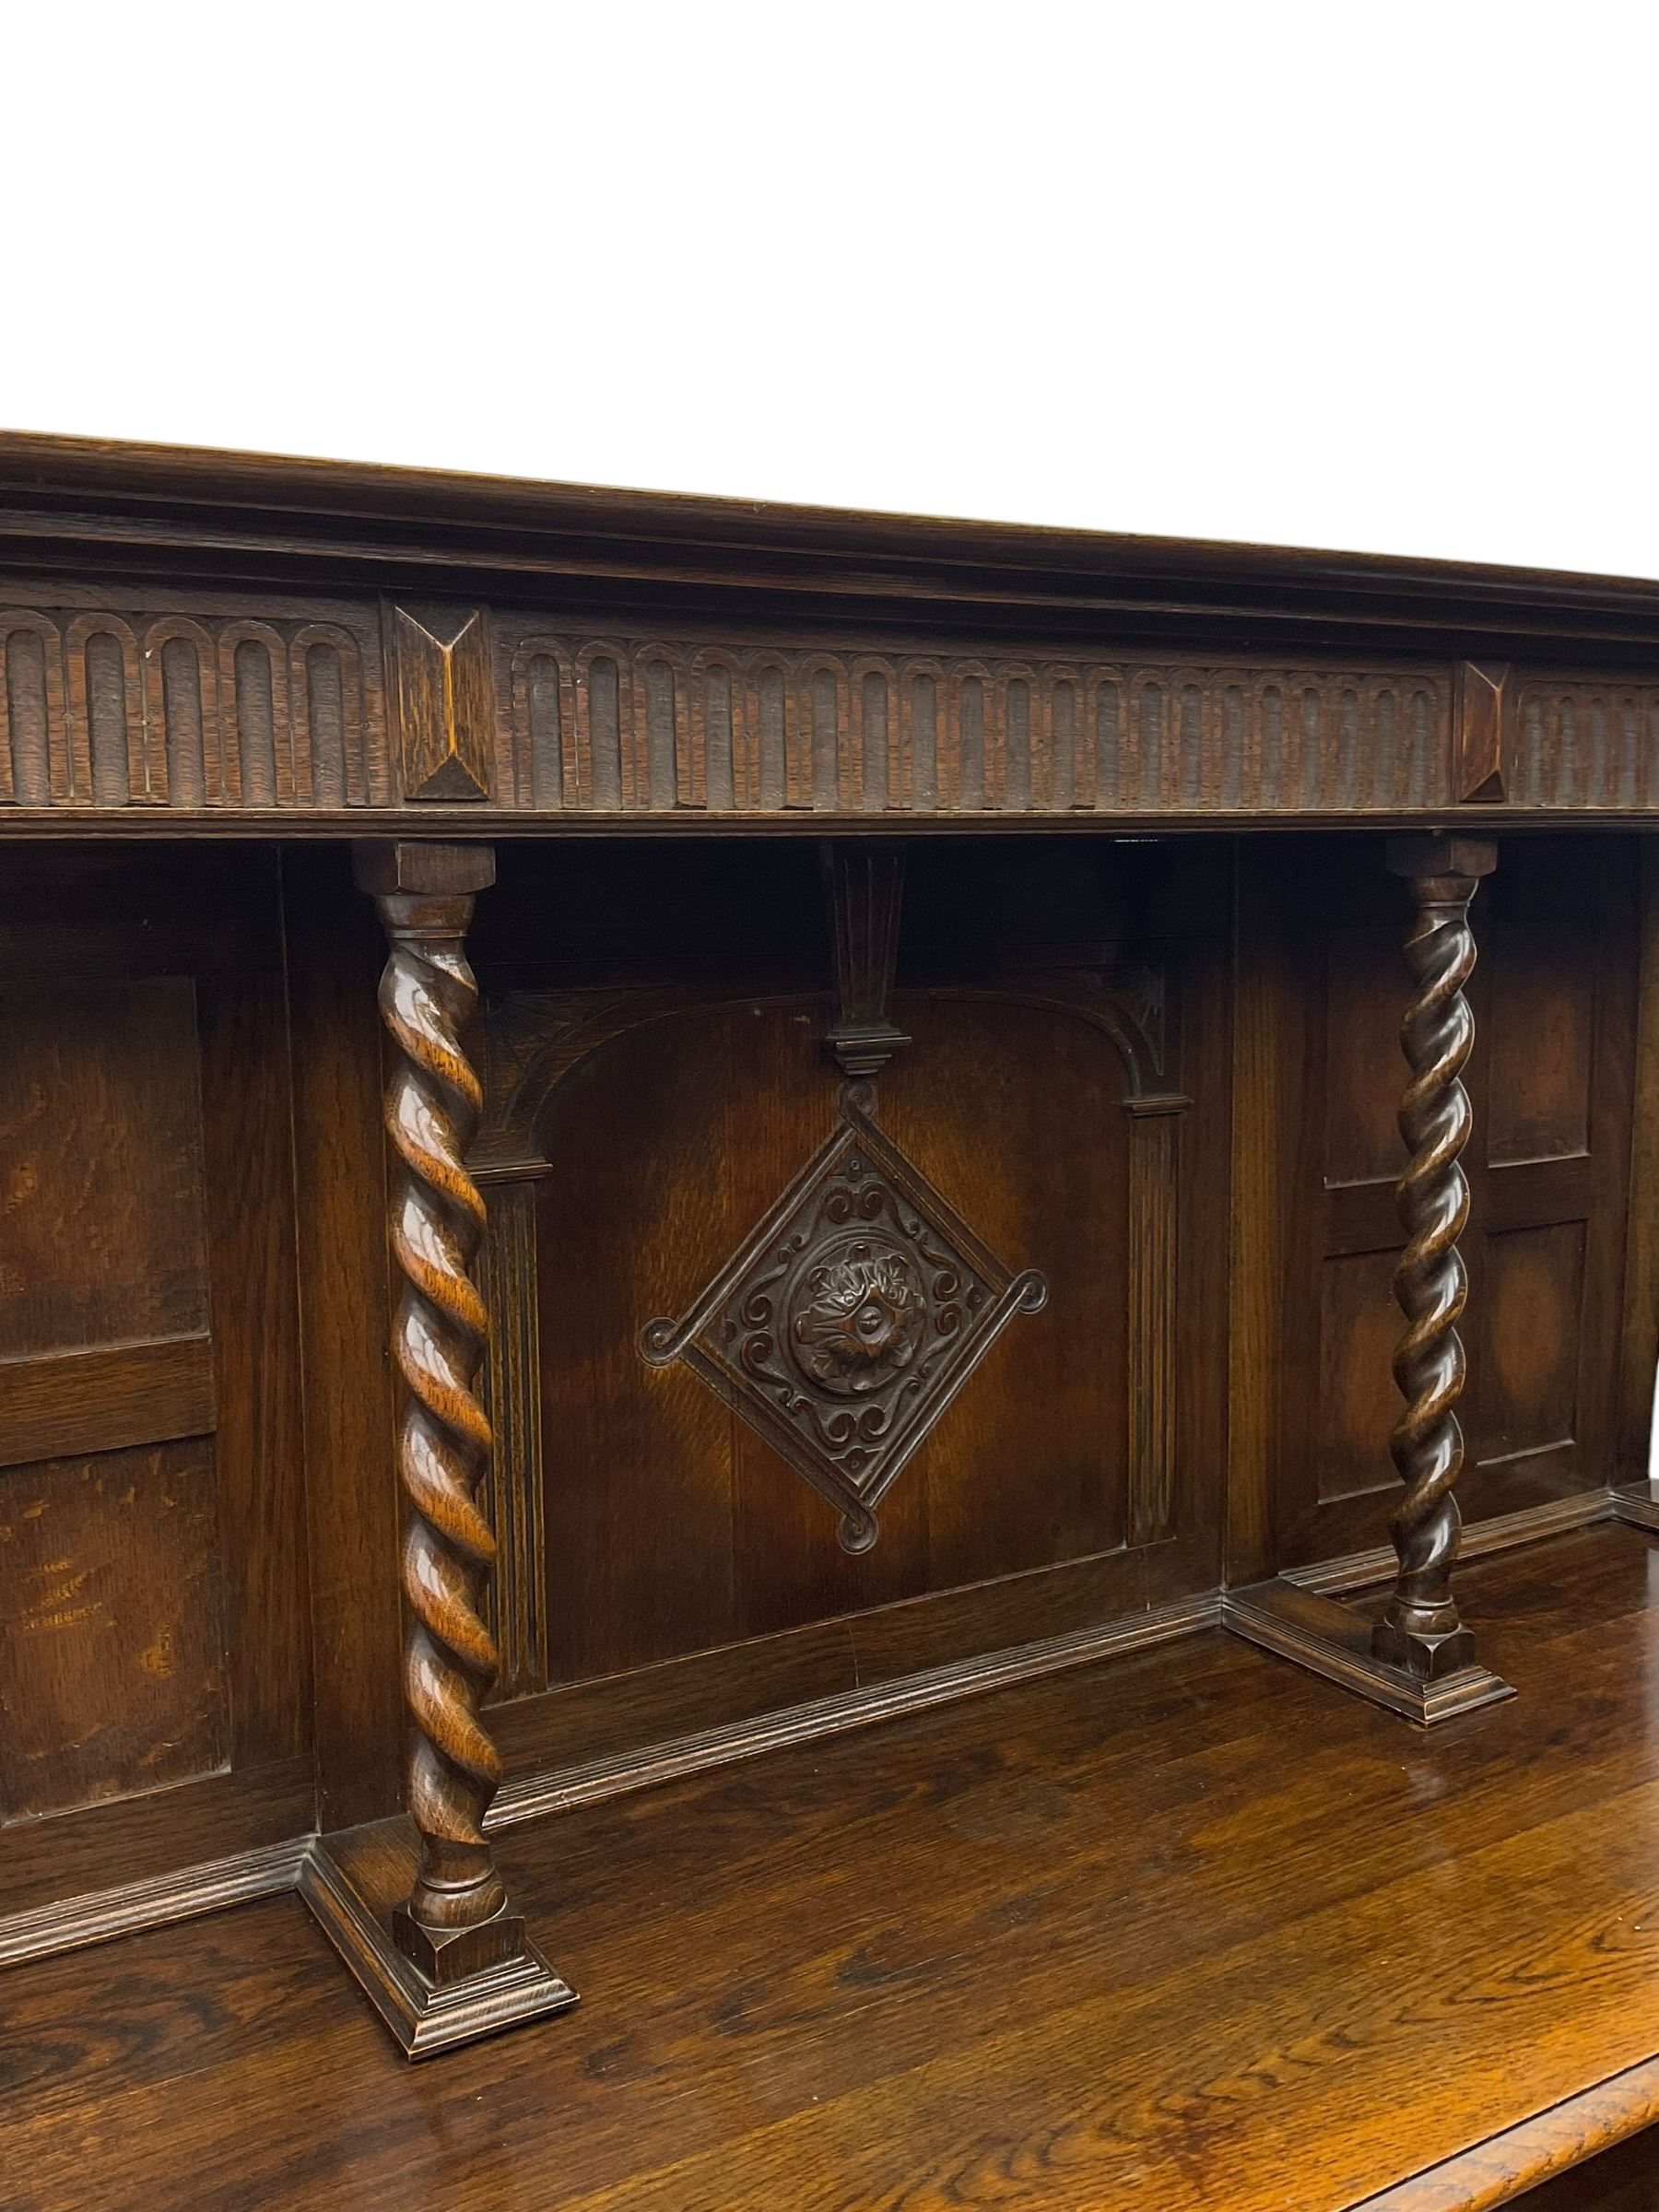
x=355, y=1883
x=1637, y=1502
x=1333, y=1640
x=1433, y=1656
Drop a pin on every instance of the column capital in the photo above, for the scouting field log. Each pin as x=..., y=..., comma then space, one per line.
x=1442, y=853
x=420, y=868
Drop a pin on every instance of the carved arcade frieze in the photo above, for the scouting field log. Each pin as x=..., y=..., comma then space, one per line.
x=251, y=703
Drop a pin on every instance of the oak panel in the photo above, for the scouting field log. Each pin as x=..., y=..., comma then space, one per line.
x=638, y=1466
x=102, y=1192
x=1365, y=997
x=1532, y=1295
x=112, y=1627
x=148, y=1837
x=1539, y=1046
x=348, y=1414
x=608, y=1717
x=1638, y=1321
x=98, y=1400
x=1016, y=1113
x=676, y=1008
x=251, y=1227
x=672, y=1525
x=157, y=1643
x=1552, y=996
x=1359, y=1329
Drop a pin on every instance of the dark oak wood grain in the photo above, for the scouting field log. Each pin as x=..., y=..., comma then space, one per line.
x=1317, y=1155
x=99, y=1398
x=903, y=929
x=551, y=652
x=1640, y=1319
x=415, y=1904
x=1537, y=2162
x=156, y=1638
x=440, y=681
x=112, y=1627
x=618, y=1070
x=334, y=954
x=1081, y=1977
x=1422, y=1629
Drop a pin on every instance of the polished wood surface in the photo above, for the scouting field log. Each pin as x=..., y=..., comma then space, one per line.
x=155, y=1657
x=1554, y=2161
x=435, y=1224
x=417, y=1905
x=1320, y=997
x=310, y=648
x=909, y=1208
x=1081, y=997
x=1421, y=1630
x=665, y=1578
x=71, y=495
x=336, y=951
x=996, y=1954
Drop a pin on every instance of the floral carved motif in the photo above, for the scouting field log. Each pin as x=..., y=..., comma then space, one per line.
x=856, y=1318
x=849, y=1319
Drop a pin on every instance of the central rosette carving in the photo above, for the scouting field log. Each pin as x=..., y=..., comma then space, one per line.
x=855, y=1316
x=848, y=1319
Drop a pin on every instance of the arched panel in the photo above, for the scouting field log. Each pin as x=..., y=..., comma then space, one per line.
x=254, y=714
x=670, y=1527
x=33, y=742
x=106, y=707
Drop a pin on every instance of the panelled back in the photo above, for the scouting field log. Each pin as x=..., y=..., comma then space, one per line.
x=152, y=1618
x=656, y=1073
x=1550, y=1082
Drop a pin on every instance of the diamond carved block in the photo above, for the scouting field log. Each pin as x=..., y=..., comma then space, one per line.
x=442, y=700
x=849, y=1320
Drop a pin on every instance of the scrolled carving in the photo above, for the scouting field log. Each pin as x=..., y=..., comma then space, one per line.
x=849, y=1318
x=849, y=1314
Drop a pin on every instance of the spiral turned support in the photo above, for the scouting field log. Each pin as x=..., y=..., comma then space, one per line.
x=1421, y=1630
x=456, y=1921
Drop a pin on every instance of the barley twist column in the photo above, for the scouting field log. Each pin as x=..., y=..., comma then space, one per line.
x=1422, y=1631
x=456, y=1921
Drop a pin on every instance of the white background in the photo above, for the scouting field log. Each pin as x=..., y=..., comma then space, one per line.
x=1349, y=275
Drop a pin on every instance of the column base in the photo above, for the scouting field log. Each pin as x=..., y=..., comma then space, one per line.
x=1433, y=1656
x=355, y=1883
x=1637, y=1502
x=1333, y=1640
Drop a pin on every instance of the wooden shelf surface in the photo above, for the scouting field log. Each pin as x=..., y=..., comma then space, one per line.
x=1188, y=1929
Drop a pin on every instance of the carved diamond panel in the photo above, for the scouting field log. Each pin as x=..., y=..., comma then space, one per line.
x=849, y=1319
